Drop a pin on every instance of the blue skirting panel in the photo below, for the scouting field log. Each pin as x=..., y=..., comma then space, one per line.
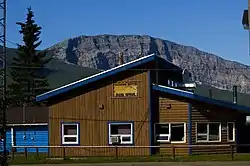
x=31, y=136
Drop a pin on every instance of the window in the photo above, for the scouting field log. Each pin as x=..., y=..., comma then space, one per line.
x=231, y=131
x=70, y=133
x=170, y=132
x=162, y=132
x=208, y=132
x=120, y=133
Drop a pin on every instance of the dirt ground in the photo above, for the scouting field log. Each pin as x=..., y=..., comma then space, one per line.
x=230, y=163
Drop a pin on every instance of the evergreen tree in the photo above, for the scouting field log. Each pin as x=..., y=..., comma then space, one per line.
x=27, y=70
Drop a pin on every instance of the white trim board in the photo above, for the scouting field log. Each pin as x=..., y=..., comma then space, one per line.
x=27, y=124
x=12, y=137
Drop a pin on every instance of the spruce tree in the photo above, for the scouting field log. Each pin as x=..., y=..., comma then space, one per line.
x=27, y=69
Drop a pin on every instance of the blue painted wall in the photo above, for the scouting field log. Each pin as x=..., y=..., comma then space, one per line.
x=31, y=136
x=27, y=136
x=8, y=138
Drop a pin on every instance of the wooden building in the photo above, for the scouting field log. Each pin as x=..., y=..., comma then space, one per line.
x=134, y=104
x=201, y=121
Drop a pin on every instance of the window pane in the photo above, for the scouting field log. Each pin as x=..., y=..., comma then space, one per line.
x=120, y=129
x=162, y=137
x=230, y=131
x=126, y=139
x=70, y=129
x=214, y=132
x=177, y=132
x=162, y=129
x=201, y=137
x=69, y=139
x=201, y=128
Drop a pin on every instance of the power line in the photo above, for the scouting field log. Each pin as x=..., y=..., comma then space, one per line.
x=143, y=69
x=196, y=68
x=154, y=69
x=12, y=42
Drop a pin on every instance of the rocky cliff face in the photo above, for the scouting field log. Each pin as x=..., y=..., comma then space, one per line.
x=101, y=52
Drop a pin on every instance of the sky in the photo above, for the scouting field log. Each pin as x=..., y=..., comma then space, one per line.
x=213, y=26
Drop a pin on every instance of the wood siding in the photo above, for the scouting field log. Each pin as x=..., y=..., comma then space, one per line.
x=175, y=109
x=177, y=113
x=84, y=108
x=207, y=113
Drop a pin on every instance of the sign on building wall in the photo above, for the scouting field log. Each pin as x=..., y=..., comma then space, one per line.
x=125, y=89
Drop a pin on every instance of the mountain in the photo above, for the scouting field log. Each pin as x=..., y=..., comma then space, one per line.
x=86, y=55
x=101, y=52
x=59, y=72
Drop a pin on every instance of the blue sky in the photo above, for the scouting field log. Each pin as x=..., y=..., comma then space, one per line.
x=210, y=25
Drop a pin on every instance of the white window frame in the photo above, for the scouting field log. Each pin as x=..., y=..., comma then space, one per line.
x=169, y=135
x=122, y=135
x=233, y=131
x=207, y=134
x=70, y=136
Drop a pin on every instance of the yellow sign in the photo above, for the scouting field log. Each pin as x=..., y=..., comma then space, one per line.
x=126, y=89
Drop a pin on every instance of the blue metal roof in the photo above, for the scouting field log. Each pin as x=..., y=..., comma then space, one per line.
x=96, y=77
x=193, y=96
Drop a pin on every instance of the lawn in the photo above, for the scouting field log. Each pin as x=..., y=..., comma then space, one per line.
x=42, y=159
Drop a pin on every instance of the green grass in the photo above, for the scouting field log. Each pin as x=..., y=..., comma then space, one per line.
x=32, y=159
x=217, y=157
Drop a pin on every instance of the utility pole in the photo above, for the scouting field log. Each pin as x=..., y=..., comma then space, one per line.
x=3, y=86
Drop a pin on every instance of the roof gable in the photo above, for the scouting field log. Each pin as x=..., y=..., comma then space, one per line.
x=193, y=96
x=96, y=77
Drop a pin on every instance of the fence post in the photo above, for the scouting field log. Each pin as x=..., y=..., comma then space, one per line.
x=25, y=153
x=173, y=152
x=13, y=153
x=37, y=154
x=116, y=152
x=48, y=152
x=232, y=152
x=64, y=156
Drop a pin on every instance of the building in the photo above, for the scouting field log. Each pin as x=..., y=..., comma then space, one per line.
x=134, y=104
x=27, y=127
x=196, y=120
